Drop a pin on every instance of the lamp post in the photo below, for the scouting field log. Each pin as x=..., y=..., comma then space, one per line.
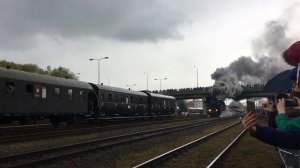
x=130, y=86
x=98, y=59
x=108, y=81
x=267, y=60
x=147, y=78
x=197, y=74
x=160, y=79
x=77, y=75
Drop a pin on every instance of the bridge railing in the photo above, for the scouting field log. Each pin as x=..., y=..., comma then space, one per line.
x=205, y=90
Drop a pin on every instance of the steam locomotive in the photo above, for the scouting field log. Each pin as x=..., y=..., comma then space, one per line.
x=215, y=107
x=26, y=97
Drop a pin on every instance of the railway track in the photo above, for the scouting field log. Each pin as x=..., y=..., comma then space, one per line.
x=33, y=158
x=223, y=153
x=21, y=134
x=174, y=153
x=100, y=121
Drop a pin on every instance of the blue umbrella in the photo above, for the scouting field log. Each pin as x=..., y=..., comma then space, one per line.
x=281, y=82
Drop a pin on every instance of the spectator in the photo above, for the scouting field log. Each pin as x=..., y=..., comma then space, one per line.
x=271, y=111
x=288, y=117
x=284, y=139
x=282, y=119
x=280, y=138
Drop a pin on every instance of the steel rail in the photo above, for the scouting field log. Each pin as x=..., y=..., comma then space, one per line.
x=67, y=131
x=218, y=158
x=158, y=159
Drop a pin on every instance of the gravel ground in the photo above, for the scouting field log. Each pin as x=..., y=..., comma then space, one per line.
x=131, y=155
x=19, y=147
x=250, y=155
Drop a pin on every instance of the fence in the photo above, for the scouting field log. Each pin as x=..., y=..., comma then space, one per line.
x=290, y=157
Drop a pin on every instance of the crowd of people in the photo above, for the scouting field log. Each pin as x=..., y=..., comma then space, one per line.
x=200, y=89
x=283, y=128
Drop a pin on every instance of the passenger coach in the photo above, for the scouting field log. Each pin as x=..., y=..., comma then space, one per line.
x=27, y=96
x=121, y=102
x=160, y=104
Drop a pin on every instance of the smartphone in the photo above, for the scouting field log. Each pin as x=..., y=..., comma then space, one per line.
x=250, y=106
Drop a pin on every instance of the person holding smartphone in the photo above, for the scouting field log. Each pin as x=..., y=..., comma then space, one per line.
x=269, y=108
x=283, y=121
x=280, y=138
x=288, y=117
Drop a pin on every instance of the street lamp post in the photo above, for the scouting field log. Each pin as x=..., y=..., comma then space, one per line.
x=108, y=81
x=77, y=75
x=197, y=75
x=130, y=86
x=147, y=79
x=267, y=60
x=98, y=59
x=160, y=79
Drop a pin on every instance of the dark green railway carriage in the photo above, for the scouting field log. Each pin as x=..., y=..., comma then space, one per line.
x=27, y=96
x=160, y=104
x=122, y=102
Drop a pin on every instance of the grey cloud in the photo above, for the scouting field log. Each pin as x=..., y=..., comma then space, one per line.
x=130, y=20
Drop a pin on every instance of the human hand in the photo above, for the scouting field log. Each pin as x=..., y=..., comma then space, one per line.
x=249, y=122
x=281, y=106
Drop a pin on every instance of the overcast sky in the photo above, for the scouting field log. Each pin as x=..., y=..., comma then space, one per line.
x=164, y=38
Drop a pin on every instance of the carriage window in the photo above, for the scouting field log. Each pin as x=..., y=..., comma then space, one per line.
x=37, y=91
x=103, y=97
x=57, y=93
x=127, y=100
x=29, y=88
x=131, y=100
x=70, y=94
x=116, y=98
x=164, y=102
x=10, y=88
x=122, y=99
x=141, y=100
x=44, y=92
x=81, y=94
x=109, y=97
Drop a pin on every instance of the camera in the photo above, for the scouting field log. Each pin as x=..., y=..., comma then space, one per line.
x=291, y=102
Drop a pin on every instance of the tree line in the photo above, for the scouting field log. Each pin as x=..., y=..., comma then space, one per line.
x=62, y=72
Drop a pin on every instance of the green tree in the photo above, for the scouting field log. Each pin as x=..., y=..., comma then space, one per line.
x=33, y=68
x=5, y=64
x=64, y=73
x=30, y=68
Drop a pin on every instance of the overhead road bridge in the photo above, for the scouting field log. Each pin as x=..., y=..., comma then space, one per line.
x=205, y=92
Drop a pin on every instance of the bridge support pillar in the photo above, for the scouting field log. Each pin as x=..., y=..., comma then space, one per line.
x=205, y=110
